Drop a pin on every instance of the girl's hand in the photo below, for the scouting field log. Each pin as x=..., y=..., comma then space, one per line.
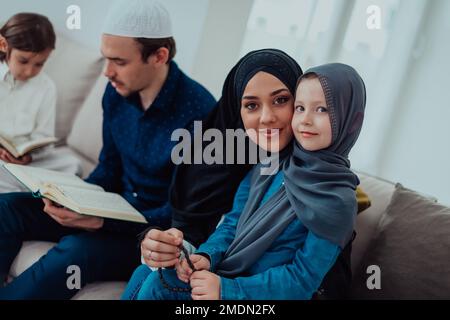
x=205, y=286
x=9, y=158
x=184, y=271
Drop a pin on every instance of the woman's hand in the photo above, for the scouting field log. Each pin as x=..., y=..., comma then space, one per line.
x=205, y=286
x=9, y=158
x=184, y=271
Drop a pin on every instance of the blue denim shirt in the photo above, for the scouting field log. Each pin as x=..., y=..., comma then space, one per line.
x=135, y=160
x=292, y=268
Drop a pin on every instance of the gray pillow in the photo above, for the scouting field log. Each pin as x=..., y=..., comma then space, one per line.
x=411, y=249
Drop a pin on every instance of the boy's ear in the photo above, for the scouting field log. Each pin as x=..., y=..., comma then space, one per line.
x=3, y=44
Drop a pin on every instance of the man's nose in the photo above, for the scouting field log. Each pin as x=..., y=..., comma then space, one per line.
x=109, y=71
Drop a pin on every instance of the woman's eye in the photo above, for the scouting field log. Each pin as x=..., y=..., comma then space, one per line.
x=322, y=109
x=281, y=100
x=299, y=108
x=251, y=106
x=23, y=62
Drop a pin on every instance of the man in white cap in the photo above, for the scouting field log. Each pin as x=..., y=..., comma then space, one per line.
x=148, y=97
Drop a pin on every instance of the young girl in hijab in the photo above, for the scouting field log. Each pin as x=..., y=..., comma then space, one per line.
x=285, y=231
x=28, y=95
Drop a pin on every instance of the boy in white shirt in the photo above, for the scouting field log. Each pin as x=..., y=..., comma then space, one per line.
x=28, y=95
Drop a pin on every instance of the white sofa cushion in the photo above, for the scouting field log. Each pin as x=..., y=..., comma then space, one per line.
x=86, y=134
x=111, y=290
x=74, y=69
x=31, y=252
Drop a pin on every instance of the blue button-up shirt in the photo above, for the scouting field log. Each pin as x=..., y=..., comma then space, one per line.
x=135, y=160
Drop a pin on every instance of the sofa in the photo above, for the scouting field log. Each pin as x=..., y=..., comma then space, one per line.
x=380, y=234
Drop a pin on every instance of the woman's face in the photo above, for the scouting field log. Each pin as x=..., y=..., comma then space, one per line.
x=267, y=107
x=311, y=121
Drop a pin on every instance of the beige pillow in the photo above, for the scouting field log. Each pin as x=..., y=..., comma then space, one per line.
x=74, y=69
x=411, y=249
x=86, y=134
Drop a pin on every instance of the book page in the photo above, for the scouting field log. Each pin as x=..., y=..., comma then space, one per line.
x=104, y=204
x=6, y=143
x=44, y=176
x=24, y=146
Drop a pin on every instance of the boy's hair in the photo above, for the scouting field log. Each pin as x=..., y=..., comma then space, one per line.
x=150, y=46
x=28, y=32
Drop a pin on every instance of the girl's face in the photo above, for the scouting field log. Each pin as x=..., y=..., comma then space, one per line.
x=25, y=65
x=311, y=121
x=266, y=110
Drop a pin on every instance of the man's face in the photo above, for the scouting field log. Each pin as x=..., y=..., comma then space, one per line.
x=124, y=67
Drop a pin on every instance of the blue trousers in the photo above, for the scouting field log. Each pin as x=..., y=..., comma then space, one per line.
x=146, y=285
x=99, y=255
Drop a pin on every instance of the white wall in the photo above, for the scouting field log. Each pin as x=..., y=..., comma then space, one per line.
x=417, y=152
x=221, y=42
x=187, y=19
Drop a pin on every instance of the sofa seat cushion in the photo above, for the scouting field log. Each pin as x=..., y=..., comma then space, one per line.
x=109, y=290
x=31, y=252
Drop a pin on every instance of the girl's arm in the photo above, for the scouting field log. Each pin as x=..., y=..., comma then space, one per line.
x=297, y=280
x=218, y=243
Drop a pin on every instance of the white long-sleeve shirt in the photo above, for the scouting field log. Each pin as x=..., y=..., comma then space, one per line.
x=27, y=108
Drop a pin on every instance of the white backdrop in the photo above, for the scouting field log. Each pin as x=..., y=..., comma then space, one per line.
x=187, y=21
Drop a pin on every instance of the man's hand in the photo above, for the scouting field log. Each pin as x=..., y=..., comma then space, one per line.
x=205, y=286
x=184, y=271
x=70, y=219
x=9, y=158
x=161, y=249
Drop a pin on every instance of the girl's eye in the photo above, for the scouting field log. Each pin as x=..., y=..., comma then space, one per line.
x=322, y=109
x=23, y=62
x=250, y=106
x=281, y=100
x=299, y=108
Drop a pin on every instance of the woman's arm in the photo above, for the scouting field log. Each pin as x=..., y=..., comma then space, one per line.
x=297, y=280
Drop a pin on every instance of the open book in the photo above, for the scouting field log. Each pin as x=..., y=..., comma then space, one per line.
x=75, y=194
x=19, y=147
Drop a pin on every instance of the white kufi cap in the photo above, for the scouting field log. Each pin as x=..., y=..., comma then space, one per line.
x=138, y=19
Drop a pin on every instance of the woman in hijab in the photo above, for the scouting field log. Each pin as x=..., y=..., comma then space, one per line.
x=233, y=250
